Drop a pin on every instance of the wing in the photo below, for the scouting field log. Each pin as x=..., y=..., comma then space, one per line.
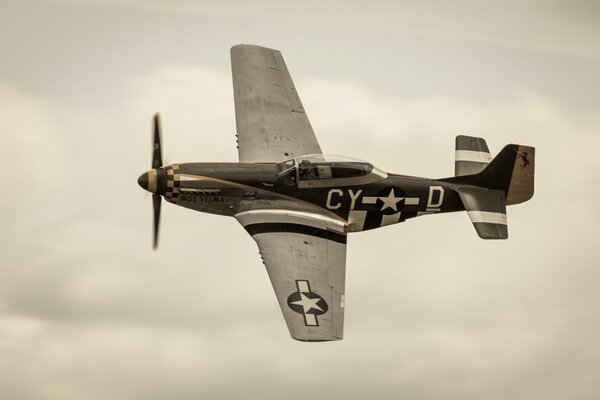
x=305, y=256
x=271, y=123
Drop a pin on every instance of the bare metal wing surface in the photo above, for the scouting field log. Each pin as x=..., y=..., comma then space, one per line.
x=272, y=125
x=305, y=257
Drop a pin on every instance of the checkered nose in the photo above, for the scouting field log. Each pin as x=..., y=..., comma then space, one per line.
x=154, y=181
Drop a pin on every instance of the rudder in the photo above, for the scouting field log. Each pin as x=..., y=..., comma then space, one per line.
x=512, y=171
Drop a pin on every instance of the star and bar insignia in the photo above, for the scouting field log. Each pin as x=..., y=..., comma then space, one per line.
x=307, y=303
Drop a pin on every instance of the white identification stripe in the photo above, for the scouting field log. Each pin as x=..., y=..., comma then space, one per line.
x=471, y=155
x=412, y=201
x=419, y=213
x=487, y=217
x=356, y=220
x=390, y=219
x=292, y=217
x=369, y=200
x=311, y=320
x=303, y=286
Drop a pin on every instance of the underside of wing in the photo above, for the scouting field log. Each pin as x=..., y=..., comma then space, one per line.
x=272, y=125
x=305, y=257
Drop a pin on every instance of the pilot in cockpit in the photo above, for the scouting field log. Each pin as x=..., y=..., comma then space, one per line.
x=306, y=170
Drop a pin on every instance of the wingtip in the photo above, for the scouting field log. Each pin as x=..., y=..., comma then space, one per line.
x=316, y=340
x=242, y=46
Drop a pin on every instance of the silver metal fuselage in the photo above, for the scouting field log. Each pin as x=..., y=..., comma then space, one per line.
x=231, y=188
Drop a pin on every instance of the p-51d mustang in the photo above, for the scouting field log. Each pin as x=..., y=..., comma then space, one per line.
x=299, y=205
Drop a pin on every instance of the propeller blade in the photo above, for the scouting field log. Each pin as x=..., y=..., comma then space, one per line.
x=157, y=149
x=156, y=206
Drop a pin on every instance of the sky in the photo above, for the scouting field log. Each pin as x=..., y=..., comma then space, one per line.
x=88, y=310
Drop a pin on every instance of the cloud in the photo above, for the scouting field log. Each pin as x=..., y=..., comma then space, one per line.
x=197, y=107
x=30, y=138
x=89, y=311
x=558, y=27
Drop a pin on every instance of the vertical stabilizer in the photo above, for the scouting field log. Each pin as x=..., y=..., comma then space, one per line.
x=486, y=187
x=512, y=171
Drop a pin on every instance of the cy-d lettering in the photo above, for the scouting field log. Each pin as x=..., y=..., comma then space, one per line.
x=333, y=198
x=353, y=197
x=330, y=194
x=436, y=197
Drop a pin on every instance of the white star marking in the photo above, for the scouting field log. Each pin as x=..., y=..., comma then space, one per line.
x=390, y=201
x=308, y=303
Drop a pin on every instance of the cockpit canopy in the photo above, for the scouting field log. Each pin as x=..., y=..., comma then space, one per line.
x=319, y=170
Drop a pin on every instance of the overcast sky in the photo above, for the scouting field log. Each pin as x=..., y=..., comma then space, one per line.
x=89, y=311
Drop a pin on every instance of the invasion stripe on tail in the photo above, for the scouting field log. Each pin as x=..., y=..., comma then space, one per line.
x=487, y=210
x=487, y=217
x=471, y=156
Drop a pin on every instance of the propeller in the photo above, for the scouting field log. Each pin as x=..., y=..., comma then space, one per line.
x=156, y=149
x=156, y=163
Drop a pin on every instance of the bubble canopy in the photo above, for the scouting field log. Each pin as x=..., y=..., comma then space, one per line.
x=319, y=170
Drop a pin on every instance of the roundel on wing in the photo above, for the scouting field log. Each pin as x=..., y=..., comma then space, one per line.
x=307, y=303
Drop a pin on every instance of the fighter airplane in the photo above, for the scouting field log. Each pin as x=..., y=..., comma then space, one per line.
x=299, y=205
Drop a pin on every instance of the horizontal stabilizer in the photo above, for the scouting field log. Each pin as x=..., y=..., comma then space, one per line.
x=487, y=210
x=471, y=156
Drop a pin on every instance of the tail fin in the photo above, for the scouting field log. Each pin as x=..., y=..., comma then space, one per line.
x=508, y=179
x=511, y=171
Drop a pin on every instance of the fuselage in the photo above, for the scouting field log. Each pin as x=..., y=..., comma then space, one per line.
x=364, y=199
